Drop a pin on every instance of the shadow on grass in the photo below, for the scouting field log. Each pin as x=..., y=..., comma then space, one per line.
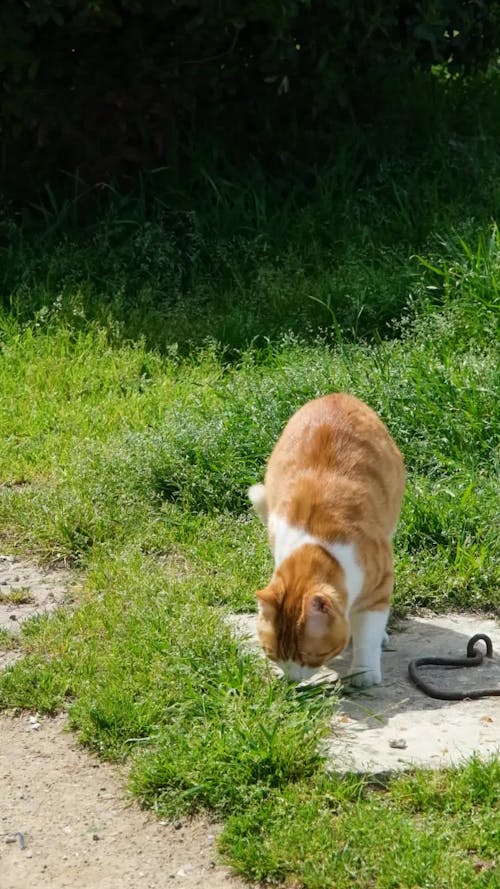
x=241, y=257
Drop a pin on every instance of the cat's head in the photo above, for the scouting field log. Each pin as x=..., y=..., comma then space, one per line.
x=301, y=622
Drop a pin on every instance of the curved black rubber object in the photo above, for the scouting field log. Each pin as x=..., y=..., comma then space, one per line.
x=473, y=659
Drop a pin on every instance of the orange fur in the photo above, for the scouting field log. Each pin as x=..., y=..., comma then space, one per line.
x=335, y=476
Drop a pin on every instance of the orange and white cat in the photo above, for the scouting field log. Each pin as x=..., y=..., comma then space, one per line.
x=331, y=500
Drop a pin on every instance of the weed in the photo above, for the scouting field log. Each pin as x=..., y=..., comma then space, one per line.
x=19, y=596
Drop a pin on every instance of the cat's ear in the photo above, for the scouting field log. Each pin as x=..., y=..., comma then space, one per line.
x=271, y=596
x=318, y=612
x=320, y=603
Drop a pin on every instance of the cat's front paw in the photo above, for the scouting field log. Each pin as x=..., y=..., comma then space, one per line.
x=364, y=677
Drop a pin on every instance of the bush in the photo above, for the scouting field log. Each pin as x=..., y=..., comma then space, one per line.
x=107, y=86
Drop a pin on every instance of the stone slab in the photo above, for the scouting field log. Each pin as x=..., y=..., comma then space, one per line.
x=395, y=726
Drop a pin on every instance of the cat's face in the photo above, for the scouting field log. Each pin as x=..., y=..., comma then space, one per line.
x=301, y=623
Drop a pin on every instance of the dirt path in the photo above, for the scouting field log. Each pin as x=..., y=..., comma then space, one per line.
x=70, y=811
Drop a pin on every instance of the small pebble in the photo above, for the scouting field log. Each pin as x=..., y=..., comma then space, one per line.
x=10, y=839
x=95, y=836
x=29, y=854
x=178, y=825
x=398, y=743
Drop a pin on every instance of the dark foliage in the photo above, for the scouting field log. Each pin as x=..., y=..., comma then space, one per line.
x=107, y=87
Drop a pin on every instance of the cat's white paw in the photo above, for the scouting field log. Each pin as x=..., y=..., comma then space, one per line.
x=364, y=677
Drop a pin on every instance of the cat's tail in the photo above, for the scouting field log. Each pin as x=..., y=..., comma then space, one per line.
x=257, y=495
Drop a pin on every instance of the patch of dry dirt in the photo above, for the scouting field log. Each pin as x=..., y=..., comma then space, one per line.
x=79, y=829
x=65, y=819
x=26, y=590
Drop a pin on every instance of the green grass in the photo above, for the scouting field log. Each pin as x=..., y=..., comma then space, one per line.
x=120, y=444
x=235, y=257
x=21, y=596
x=8, y=641
x=434, y=831
x=134, y=468
x=147, y=365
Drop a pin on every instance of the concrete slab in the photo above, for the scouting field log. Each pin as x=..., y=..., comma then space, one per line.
x=395, y=726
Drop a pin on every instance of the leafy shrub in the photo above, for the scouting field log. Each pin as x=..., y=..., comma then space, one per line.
x=109, y=85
